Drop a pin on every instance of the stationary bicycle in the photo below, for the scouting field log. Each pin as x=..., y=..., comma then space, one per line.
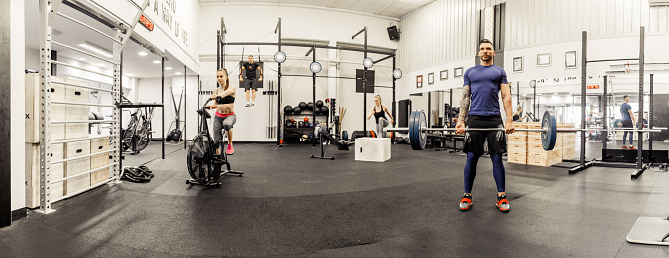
x=137, y=136
x=204, y=165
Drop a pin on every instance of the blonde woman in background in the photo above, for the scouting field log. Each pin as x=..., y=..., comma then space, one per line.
x=379, y=112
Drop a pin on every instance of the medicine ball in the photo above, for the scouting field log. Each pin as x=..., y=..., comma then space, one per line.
x=302, y=105
x=297, y=110
x=310, y=106
x=319, y=103
x=306, y=119
x=288, y=109
x=325, y=111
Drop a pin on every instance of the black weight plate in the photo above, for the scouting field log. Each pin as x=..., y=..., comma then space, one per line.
x=412, y=132
x=548, y=137
x=422, y=136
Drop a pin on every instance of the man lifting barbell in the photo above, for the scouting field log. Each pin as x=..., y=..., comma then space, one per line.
x=418, y=132
x=480, y=108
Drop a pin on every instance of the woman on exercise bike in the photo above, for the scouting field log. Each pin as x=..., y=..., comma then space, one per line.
x=225, y=115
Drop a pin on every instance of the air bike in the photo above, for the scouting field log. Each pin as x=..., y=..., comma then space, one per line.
x=204, y=165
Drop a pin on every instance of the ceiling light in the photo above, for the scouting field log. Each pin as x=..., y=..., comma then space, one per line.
x=142, y=53
x=130, y=74
x=101, y=65
x=280, y=57
x=98, y=50
x=397, y=73
x=524, y=95
x=82, y=59
x=177, y=73
x=168, y=68
x=555, y=93
x=157, y=62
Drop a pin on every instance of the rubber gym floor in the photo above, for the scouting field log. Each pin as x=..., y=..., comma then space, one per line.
x=288, y=204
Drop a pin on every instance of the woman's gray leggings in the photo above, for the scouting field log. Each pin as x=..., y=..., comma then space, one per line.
x=223, y=123
x=380, y=133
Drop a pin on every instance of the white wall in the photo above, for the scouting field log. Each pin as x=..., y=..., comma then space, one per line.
x=537, y=27
x=445, y=31
x=168, y=35
x=439, y=32
x=297, y=22
x=17, y=46
x=149, y=91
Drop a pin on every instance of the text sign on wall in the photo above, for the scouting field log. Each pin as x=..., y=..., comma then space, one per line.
x=166, y=10
x=590, y=87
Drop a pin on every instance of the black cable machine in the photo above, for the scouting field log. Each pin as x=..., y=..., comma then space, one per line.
x=220, y=59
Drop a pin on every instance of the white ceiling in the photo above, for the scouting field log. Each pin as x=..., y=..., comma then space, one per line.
x=133, y=64
x=143, y=66
x=389, y=8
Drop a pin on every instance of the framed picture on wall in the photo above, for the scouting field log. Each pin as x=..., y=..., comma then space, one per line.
x=570, y=59
x=419, y=81
x=430, y=78
x=457, y=72
x=544, y=59
x=443, y=75
x=518, y=64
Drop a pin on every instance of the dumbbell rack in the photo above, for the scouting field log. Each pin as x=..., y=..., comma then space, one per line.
x=309, y=114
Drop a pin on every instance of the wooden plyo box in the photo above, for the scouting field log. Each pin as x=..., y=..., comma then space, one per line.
x=543, y=162
x=518, y=160
x=513, y=145
x=101, y=160
x=74, y=167
x=32, y=108
x=33, y=173
x=75, y=112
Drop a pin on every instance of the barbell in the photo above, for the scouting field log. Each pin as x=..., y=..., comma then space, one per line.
x=418, y=130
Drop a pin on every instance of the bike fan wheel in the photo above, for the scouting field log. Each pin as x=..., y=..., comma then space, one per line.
x=127, y=139
x=143, y=137
x=199, y=160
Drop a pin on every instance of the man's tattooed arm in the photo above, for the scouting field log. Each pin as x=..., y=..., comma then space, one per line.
x=464, y=103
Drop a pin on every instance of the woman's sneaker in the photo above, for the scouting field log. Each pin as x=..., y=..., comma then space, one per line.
x=466, y=202
x=502, y=203
x=230, y=150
